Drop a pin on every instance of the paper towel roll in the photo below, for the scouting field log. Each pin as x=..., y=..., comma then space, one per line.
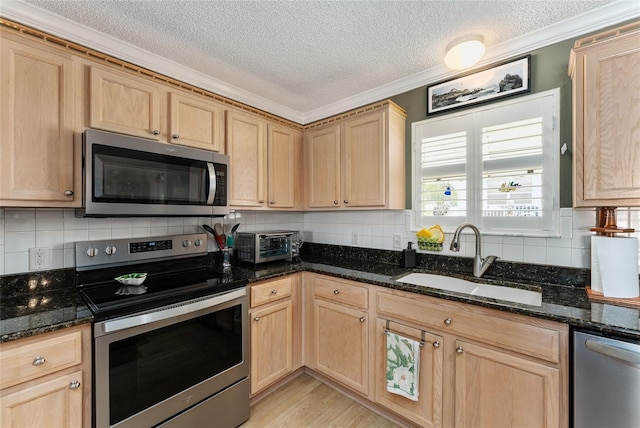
x=614, y=266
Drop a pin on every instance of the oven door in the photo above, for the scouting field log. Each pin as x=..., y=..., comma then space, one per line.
x=150, y=367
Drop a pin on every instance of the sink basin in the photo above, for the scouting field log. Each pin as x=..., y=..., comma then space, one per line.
x=498, y=292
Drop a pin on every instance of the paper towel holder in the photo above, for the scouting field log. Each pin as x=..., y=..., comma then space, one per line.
x=606, y=224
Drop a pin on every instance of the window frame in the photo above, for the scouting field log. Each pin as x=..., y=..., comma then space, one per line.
x=550, y=108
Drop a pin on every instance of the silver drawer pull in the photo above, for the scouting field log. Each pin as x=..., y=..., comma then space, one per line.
x=155, y=132
x=459, y=350
x=175, y=136
x=74, y=384
x=447, y=321
x=336, y=291
x=274, y=291
x=38, y=361
x=256, y=318
x=436, y=344
x=68, y=192
x=362, y=319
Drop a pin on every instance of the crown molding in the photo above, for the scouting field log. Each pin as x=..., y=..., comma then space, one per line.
x=597, y=19
x=27, y=14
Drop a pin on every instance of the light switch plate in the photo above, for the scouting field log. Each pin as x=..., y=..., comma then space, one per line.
x=397, y=241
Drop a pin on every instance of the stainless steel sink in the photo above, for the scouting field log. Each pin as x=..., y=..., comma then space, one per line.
x=458, y=285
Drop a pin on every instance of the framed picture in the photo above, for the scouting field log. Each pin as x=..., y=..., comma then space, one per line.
x=480, y=86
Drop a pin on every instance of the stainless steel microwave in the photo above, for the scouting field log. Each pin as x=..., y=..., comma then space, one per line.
x=125, y=176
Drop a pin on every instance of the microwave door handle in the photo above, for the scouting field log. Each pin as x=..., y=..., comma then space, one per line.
x=212, y=183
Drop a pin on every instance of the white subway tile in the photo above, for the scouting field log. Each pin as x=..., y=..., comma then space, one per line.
x=559, y=256
x=16, y=262
x=73, y=222
x=53, y=239
x=70, y=236
x=122, y=232
x=99, y=223
x=584, y=218
x=580, y=258
x=49, y=219
x=512, y=252
x=566, y=227
x=533, y=254
x=19, y=220
x=99, y=234
x=57, y=258
x=558, y=243
x=19, y=241
x=69, y=258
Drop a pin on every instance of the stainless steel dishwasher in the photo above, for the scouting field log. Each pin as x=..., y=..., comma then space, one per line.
x=606, y=383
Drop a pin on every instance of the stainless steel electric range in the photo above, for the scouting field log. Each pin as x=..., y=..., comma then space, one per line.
x=170, y=348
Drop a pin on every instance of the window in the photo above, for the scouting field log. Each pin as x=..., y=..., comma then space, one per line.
x=494, y=166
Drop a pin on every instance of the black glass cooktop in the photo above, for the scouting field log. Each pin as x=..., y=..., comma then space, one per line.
x=167, y=282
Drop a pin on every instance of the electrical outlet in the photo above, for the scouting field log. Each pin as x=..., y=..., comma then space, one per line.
x=397, y=241
x=39, y=258
x=355, y=238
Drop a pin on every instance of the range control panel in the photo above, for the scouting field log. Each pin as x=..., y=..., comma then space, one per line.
x=90, y=254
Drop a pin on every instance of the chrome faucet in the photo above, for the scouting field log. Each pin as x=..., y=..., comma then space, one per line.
x=480, y=265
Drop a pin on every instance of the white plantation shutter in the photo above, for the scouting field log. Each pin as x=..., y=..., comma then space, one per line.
x=495, y=166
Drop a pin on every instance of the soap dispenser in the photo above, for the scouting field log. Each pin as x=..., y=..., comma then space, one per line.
x=408, y=259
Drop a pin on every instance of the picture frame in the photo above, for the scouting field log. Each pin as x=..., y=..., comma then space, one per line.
x=488, y=84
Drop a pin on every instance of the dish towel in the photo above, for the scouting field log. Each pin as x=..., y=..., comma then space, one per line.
x=403, y=366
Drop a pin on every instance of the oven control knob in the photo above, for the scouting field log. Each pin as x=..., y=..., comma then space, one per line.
x=110, y=250
x=197, y=242
x=92, y=252
x=186, y=243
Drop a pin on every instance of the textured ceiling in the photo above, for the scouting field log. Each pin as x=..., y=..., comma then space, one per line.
x=304, y=55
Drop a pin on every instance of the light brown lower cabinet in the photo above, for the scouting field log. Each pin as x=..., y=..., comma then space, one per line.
x=498, y=369
x=46, y=380
x=427, y=411
x=276, y=330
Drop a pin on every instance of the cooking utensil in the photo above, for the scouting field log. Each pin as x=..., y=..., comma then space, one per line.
x=219, y=241
x=235, y=227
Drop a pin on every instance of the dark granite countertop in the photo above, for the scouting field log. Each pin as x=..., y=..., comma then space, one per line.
x=38, y=303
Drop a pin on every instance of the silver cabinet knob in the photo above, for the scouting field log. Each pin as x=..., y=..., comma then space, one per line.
x=68, y=192
x=336, y=292
x=186, y=243
x=256, y=318
x=155, y=132
x=436, y=344
x=272, y=202
x=197, y=242
x=335, y=202
x=346, y=201
x=39, y=360
x=92, y=252
x=459, y=350
x=261, y=201
x=274, y=291
x=74, y=384
x=447, y=321
x=175, y=136
x=110, y=250
x=362, y=319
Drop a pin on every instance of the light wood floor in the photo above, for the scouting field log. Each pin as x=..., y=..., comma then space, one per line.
x=307, y=402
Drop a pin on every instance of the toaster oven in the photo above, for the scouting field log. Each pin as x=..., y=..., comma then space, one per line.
x=260, y=247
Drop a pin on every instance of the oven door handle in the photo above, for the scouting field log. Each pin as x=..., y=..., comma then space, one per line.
x=170, y=312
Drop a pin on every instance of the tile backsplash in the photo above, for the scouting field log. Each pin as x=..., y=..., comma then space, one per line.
x=58, y=229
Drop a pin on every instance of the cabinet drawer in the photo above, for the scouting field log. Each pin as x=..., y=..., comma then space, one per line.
x=37, y=358
x=341, y=291
x=270, y=291
x=526, y=335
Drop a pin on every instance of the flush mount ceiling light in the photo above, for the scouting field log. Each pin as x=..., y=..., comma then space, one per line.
x=464, y=51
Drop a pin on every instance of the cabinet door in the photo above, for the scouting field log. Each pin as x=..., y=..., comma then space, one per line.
x=245, y=146
x=195, y=122
x=283, y=148
x=37, y=119
x=323, y=167
x=122, y=103
x=496, y=389
x=341, y=344
x=427, y=411
x=54, y=403
x=610, y=163
x=364, y=161
x=271, y=344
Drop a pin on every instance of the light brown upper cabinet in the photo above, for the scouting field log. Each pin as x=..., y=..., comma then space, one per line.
x=129, y=104
x=605, y=69
x=357, y=162
x=263, y=175
x=124, y=103
x=195, y=122
x=39, y=164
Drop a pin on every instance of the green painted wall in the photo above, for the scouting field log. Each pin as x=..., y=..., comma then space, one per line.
x=548, y=71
